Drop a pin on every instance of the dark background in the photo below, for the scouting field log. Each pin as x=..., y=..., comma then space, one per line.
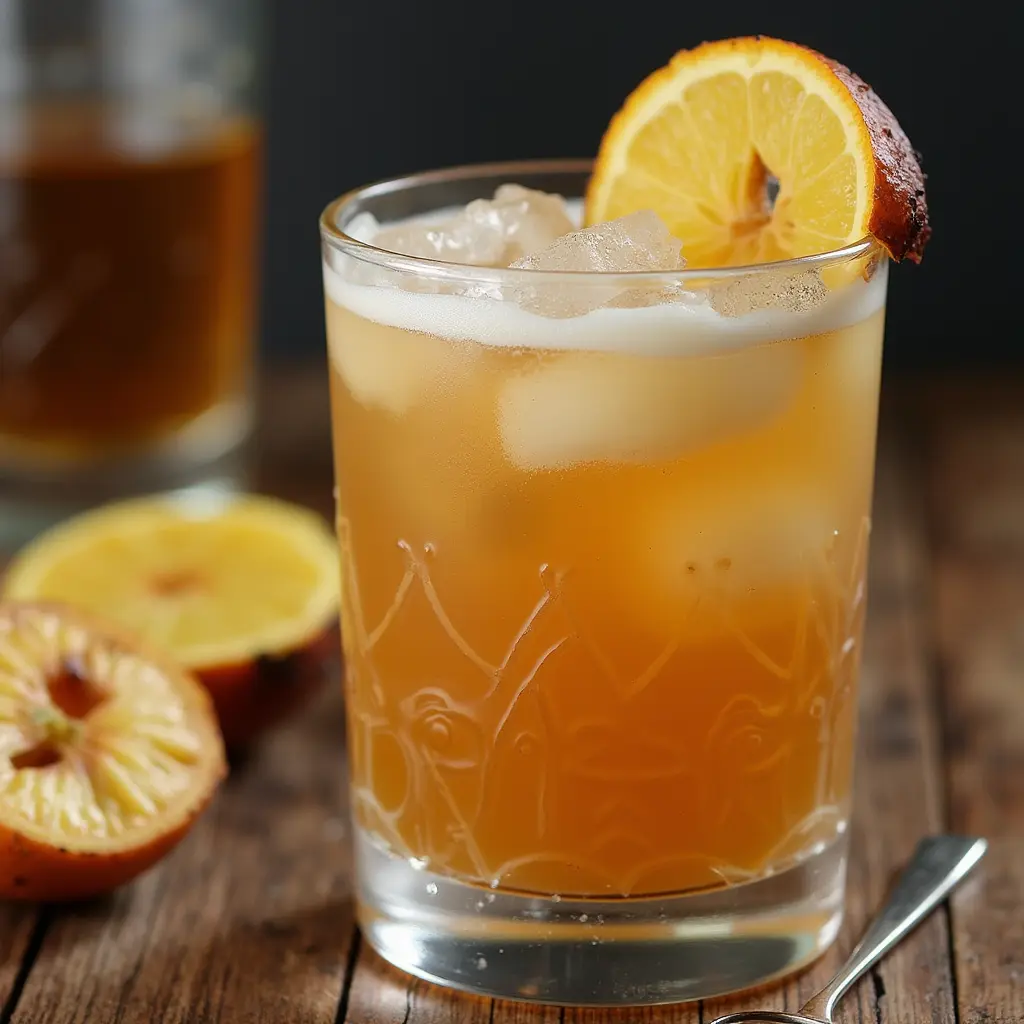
x=362, y=90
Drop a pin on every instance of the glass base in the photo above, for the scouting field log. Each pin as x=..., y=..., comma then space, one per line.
x=208, y=455
x=661, y=949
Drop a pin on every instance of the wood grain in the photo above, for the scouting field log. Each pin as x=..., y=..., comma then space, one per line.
x=988, y=938
x=248, y=921
x=977, y=491
x=20, y=928
x=903, y=799
x=523, y=1013
x=380, y=994
x=681, y=1013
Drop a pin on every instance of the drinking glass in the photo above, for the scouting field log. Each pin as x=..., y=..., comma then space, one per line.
x=129, y=172
x=603, y=548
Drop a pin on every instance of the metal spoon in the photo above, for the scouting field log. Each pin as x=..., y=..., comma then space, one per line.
x=938, y=865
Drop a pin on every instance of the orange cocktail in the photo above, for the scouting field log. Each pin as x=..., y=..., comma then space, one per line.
x=604, y=474
x=578, y=670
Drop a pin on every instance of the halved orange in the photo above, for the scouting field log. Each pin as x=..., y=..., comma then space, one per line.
x=108, y=752
x=700, y=139
x=244, y=592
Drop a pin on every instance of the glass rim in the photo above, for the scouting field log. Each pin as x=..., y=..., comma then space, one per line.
x=511, y=170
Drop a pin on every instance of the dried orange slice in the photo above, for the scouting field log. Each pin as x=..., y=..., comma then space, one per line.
x=108, y=752
x=243, y=593
x=700, y=139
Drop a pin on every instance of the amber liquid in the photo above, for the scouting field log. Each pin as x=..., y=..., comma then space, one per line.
x=126, y=297
x=602, y=676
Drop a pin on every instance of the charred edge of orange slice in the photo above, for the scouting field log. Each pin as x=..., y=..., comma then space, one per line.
x=899, y=216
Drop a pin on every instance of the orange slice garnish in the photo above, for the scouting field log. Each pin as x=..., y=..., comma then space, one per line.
x=700, y=139
x=244, y=593
x=108, y=752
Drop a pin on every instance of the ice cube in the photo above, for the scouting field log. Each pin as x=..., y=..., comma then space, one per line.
x=637, y=242
x=735, y=546
x=615, y=407
x=531, y=220
x=487, y=232
x=391, y=369
x=760, y=532
x=363, y=227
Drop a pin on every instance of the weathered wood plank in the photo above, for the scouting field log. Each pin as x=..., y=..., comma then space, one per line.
x=248, y=921
x=988, y=936
x=898, y=795
x=524, y=1013
x=19, y=926
x=681, y=1013
x=981, y=628
x=976, y=490
x=976, y=478
x=903, y=798
x=380, y=994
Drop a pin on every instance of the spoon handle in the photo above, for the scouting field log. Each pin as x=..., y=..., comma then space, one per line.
x=939, y=863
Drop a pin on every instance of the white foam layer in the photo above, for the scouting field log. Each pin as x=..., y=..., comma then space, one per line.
x=675, y=328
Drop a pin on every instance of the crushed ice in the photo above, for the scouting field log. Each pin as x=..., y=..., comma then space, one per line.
x=638, y=242
x=486, y=233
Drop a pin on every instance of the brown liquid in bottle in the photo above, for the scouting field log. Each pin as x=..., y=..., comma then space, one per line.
x=126, y=282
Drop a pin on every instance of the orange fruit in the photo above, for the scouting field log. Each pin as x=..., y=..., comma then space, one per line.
x=243, y=593
x=108, y=752
x=699, y=141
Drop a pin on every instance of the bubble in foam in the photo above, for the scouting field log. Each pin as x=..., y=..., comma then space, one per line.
x=792, y=292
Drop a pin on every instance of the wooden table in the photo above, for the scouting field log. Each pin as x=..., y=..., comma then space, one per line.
x=251, y=920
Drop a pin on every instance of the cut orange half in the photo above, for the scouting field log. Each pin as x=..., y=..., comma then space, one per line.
x=243, y=593
x=108, y=752
x=701, y=140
